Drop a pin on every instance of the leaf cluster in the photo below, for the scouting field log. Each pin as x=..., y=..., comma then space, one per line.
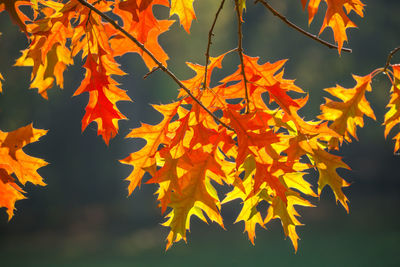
x=245, y=132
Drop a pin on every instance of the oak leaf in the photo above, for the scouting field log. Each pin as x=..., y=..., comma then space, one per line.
x=349, y=113
x=145, y=27
x=13, y=9
x=16, y=166
x=103, y=95
x=392, y=116
x=47, y=53
x=249, y=213
x=196, y=195
x=286, y=212
x=327, y=164
x=184, y=10
x=336, y=16
x=155, y=135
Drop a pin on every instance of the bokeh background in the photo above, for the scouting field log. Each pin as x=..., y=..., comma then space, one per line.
x=83, y=217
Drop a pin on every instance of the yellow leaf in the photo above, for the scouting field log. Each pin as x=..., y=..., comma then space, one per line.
x=326, y=165
x=196, y=195
x=336, y=16
x=287, y=214
x=242, y=6
x=154, y=136
x=13, y=160
x=392, y=116
x=348, y=114
x=184, y=9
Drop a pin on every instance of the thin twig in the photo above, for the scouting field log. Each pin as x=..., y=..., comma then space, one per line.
x=160, y=65
x=297, y=28
x=389, y=58
x=210, y=34
x=150, y=72
x=240, y=52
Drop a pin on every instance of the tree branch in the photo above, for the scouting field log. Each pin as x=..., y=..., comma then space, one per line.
x=389, y=58
x=297, y=28
x=210, y=34
x=160, y=65
x=240, y=52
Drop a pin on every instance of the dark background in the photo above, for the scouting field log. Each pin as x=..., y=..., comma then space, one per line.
x=83, y=216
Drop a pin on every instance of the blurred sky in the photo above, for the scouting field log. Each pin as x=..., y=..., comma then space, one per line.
x=83, y=216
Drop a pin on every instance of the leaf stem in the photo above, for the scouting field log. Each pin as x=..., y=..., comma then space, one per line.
x=385, y=69
x=240, y=52
x=297, y=28
x=389, y=58
x=160, y=65
x=210, y=34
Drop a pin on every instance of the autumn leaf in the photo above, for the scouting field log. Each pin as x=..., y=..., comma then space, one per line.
x=15, y=163
x=1, y=84
x=9, y=193
x=100, y=65
x=336, y=16
x=196, y=195
x=13, y=9
x=242, y=6
x=47, y=53
x=327, y=165
x=286, y=212
x=48, y=70
x=184, y=10
x=154, y=136
x=146, y=29
x=244, y=130
x=349, y=113
x=249, y=213
x=103, y=96
x=268, y=79
x=133, y=7
x=392, y=116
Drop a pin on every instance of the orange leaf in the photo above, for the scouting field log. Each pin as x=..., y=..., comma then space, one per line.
x=146, y=29
x=196, y=195
x=249, y=213
x=326, y=165
x=103, y=96
x=287, y=214
x=18, y=17
x=47, y=52
x=154, y=136
x=392, y=116
x=347, y=115
x=336, y=16
x=1, y=85
x=13, y=160
x=184, y=9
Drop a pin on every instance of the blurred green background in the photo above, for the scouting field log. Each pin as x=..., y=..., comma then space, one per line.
x=83, y=217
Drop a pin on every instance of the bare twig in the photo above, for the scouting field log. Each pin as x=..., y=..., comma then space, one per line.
x=210, y=34
x=240, y=52
x=297, y=28
x=159, y=64
x=150, y=72
x=389, y=58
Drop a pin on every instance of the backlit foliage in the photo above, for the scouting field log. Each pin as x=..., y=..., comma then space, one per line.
x=245, y=132
x=16, y=166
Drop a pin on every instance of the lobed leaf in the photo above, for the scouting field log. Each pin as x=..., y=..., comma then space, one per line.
x=392, y=116
x=184, y=10
x=16, y=166
x=336, y=16
x=349, y=113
